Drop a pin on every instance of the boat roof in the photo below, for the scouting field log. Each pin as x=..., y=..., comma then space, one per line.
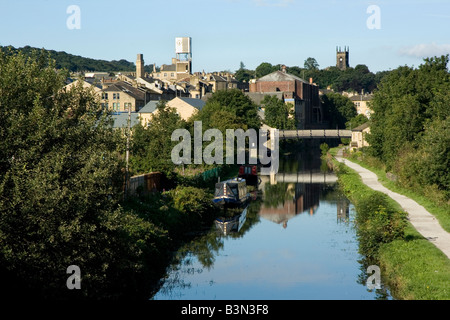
x=234, y=180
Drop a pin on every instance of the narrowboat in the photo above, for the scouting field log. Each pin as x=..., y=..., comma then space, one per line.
x=227, y=225
x=249, y=173
x=231, y=192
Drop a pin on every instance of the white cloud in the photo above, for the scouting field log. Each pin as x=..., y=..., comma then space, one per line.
x=273, y=3
x=425, y=50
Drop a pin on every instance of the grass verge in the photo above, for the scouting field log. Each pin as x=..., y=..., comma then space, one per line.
x=411, y=266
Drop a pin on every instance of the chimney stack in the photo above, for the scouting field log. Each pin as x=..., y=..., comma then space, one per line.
x=140, y=66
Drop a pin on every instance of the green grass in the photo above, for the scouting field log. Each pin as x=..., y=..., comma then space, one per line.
x=412, y=267
x=440, y=211
x=415, y=269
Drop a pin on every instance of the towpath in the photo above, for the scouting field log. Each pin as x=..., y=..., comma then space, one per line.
x=423, y=221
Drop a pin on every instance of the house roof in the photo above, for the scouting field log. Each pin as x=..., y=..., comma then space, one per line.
x=359, y=97
x=361, y=127
x=127, y=89
x=149, y=107
x=121, y=119
x=279, y=76
x=168, y=67
x=196, y=103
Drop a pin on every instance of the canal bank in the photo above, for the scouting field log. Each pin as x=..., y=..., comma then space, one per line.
x=412, y=265
x=298, y=242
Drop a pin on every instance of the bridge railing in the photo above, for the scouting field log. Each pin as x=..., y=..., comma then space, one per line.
x=314, y=133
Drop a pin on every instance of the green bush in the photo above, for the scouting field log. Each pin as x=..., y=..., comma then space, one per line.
x=377, y=227
x=324, y=147
x=377, y=220
x=194, y=204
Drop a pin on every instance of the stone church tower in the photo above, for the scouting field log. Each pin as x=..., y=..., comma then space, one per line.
x=342, y=58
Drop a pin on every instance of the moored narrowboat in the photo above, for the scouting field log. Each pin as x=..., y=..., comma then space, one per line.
x=249, y=173
x=231, y=192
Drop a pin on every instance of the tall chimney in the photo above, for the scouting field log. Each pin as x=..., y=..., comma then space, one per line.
x=140, y=66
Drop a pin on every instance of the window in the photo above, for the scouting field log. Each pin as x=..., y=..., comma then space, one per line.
x=165, y=74
x=172, y=74
x=104, y=95
x=118, y=96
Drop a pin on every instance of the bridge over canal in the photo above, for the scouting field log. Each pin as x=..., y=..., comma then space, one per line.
x=313, y=134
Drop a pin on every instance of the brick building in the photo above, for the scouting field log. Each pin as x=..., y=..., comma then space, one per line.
x=304, y=96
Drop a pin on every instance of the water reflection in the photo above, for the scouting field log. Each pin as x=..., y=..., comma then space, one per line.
x=316, y=257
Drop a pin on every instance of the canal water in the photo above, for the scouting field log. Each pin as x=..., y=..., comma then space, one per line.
x=294, y=241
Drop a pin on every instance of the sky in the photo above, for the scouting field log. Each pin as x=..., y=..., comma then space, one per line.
x=381, y=34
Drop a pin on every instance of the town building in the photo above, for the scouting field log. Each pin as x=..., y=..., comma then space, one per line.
x=359, y=136
x=302, y=95
x=86, y=84
x=185, y=107
x=181, y=66
x=120, y=96
x=362, y=104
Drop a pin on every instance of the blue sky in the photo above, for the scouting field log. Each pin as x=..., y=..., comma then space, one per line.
x=226, y=32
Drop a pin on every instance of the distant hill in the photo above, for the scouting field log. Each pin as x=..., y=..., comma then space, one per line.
x=77, y=63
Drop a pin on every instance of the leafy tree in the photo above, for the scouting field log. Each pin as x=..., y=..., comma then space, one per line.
x=60, y=188
x=278, y=114
x=151, y=147
x=244, y=75
x=356, y=121
x=338, y=109
x=75, y=63
x=311, y=64
x=406, y=98
x=409, y=127
x=242, y=111
x=264, y=69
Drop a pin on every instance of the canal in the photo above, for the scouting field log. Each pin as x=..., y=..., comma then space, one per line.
x=295, y=241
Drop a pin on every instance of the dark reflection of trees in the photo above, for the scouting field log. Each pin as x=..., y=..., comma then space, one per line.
x=380, y=294
x=204, y=248
x=277, y=194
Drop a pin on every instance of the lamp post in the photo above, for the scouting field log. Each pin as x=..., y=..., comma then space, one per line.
x=127, y=154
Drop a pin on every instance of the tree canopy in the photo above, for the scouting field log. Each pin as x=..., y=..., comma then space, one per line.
x=76, y=63
x=61, y=179
x=409, y=127
x=338, y=109
x=278, y=114
x=152, y=146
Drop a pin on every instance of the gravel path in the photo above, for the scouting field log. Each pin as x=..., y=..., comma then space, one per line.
x=420, y=218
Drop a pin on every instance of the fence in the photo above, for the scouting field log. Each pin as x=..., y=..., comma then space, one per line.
x=145, y=183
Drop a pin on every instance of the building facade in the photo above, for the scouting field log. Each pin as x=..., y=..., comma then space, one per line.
x=121, y=96
x=302, y=95
x=359, y=136
x=362, y=104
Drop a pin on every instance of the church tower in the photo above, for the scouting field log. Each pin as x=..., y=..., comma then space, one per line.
x=140, y=66
x=342, y=58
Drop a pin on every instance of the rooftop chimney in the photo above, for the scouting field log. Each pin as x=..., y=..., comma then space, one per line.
x=140, y=65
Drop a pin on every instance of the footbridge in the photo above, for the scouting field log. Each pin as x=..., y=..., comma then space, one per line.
x=313, y=134
x=301, y=177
